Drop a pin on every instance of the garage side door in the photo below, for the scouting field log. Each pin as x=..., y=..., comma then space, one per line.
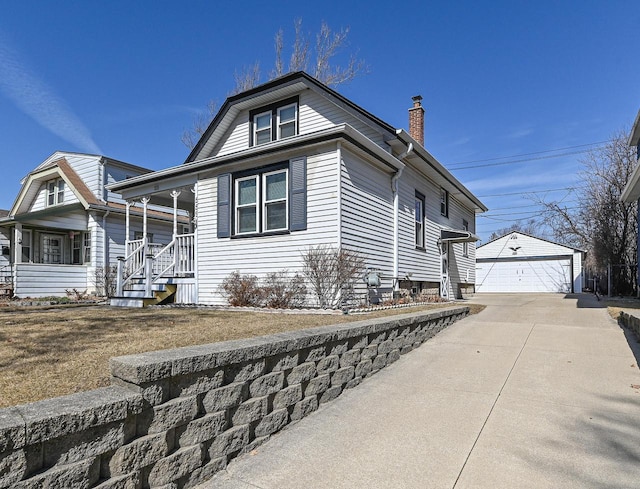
x=524, y=276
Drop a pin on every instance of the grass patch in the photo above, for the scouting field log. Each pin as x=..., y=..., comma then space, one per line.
x=628, y=305
x=49, y=352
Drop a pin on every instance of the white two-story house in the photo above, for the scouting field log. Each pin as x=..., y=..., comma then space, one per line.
x=292, y=164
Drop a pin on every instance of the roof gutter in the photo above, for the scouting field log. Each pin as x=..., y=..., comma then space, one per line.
x=441, y=170
x=339, y=132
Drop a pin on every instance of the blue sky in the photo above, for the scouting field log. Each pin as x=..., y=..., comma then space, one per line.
x=498, y=79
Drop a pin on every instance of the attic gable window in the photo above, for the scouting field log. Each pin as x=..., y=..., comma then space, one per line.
x=274, y=122
x=55, y=192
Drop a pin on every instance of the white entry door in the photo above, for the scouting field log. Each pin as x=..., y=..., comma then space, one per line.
x=52, y=248
x=445, y=281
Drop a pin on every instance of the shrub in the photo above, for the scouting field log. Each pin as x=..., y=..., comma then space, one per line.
x=333, y=273
x=105, y=280
x=242, y=290
x=282, y=291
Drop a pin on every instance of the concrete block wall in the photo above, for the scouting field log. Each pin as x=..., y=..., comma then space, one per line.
x=631, y=322
x=174, y=418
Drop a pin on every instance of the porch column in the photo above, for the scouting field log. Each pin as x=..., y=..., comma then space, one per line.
x=193, y=222
x=145, y=202
x=127, y=222
x=17, y=243
x=175, y=194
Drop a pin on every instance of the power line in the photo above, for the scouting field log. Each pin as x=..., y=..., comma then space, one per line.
x=524, y=214
x=526, y=206
x=528, y=192
x=520, y=161
x=529, y=154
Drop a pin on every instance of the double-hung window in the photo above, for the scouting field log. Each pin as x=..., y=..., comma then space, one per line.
x=444, y=202
x=86, y=248
x=287, y=116
x=419, y=220
x=261, y=202
x=274, y=122
x=247, y=210
x=262, y=128
x=55, y=192
x=465, y=245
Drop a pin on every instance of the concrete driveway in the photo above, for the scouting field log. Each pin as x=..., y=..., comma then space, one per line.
x=537, y=391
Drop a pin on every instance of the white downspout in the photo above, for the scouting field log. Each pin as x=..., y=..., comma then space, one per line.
x=396, y=218
x=105, y=244
x=396, y=227
x=339, y=195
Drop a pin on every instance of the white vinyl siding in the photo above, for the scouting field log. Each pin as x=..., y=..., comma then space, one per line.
x=424, y=265
x=315, y=113
x=40, y=202
x=88, y=169
x=29, y=279
x=259, y=255
x=367, y=217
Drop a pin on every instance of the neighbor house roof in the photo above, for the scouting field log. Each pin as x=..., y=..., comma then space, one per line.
x=56, y=169
x=534, y=237
x=631, y=191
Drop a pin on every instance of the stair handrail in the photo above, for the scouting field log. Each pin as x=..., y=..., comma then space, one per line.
x=171, y=265
x=125, y=275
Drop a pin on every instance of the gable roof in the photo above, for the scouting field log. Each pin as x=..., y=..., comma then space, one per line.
x=56, y=155
x=288, y=86
x=277, y=88
x=510, y=233
x=56, y=169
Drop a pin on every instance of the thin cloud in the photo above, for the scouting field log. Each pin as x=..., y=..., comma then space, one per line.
x=524, y=180
x=33, y=97
x=521, y=133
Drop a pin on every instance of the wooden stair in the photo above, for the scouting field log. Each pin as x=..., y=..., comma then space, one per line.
x=163, y=293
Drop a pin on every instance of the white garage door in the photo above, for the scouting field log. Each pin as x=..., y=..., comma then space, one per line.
x=524, y=276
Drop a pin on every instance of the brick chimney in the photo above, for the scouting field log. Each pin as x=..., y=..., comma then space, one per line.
x=416, y=120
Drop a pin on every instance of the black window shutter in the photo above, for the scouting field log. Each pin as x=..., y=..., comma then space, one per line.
x=298, y=194
x=224, y=205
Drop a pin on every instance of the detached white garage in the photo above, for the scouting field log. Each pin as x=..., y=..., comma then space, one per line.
x=517, y=262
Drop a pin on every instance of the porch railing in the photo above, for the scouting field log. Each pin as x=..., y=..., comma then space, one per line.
x=151, y=261
x=6, y=275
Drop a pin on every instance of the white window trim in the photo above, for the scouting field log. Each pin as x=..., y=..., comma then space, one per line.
x=56, y=191
x=444, y=202
x=264, y=200
x=420, y=221
x=237, y=206
x=255, y=127
x=465, y=245
x=295, y=120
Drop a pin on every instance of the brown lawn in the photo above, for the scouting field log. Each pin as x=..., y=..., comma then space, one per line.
x=56, y=351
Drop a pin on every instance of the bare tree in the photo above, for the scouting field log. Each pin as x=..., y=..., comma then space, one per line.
x=326, y=48
x=333, y=273
x=199, y=125
x=530, y=227
x=601, y=223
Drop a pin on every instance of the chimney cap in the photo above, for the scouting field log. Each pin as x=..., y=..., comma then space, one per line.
x=416, y=99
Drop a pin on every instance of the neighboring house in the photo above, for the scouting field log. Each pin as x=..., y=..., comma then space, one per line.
x=65, y=228
x=518, y=262
x=631, y=192
x=292, y=164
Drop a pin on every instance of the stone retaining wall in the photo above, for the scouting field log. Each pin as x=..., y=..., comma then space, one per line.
x=630, y=322
x=173, y=418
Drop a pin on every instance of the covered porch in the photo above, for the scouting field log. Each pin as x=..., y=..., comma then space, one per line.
x=150, y=272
